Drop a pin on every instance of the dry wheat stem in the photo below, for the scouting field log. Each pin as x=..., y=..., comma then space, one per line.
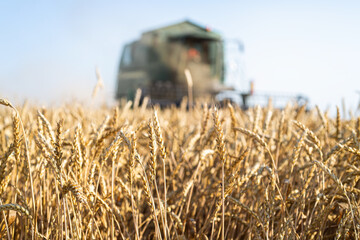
x=222, y=153
x=7, y=103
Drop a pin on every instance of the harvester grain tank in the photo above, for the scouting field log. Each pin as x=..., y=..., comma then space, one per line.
x=157, y=62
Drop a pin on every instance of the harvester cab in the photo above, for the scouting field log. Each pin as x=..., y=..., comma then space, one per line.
x=157, y=62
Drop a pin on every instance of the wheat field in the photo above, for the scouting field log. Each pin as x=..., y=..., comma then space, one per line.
x=132, y=172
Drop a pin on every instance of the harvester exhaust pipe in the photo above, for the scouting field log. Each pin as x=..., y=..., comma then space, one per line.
x=252, y=87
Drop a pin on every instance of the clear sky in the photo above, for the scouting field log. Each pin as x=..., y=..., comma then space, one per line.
x=49, y=49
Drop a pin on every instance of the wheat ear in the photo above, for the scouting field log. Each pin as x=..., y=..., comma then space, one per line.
x=75, y=188
x=16, y=207
x=17, y=139
x=152, y=148
x=338, y=124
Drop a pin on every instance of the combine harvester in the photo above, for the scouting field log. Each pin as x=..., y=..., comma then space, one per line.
x=186, y=59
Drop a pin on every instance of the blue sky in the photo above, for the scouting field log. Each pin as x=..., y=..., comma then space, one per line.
x=49, y=49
